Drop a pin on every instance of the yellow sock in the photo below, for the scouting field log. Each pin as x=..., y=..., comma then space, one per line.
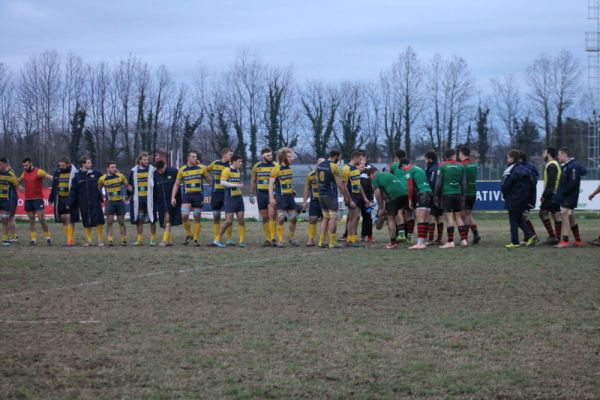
x=169, y=236
x=34, y=236
x=332, y=239
x=165, y=236
x=312, y=231
x=322, y=238
x=229, y=232
x=188, y=228
x=140, y=237
x=66, y=229
x=280, y=232
x=274, y=225
x=46, y=234
x=88, y=234
x=70, y=232
x=267, y=231
x=197, y=226
x=109, y=238
x=242, y=231
x=99, y=232
x=216, y=228
x=292, y=235
x=4, y=237
x=153, y=236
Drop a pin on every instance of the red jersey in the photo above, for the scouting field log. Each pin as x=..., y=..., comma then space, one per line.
x=32, y=180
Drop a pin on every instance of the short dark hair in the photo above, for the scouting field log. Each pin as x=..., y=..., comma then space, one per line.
x=160, y=164
x=83, y=160
x=371, y=170
x=236, y=157
x=566, y=151
x=523, y=156
x=405, y=161
x=26, y=159
x=449, y=154
x=551, y=151
x=190, y=152
x=225, y=151
x=514, y=154
x=431, y=154
x=357, y=153
x=64, y=159
x=4, y=160
x=334, y=153
x=466, y=150
x=109, y=163
x=266, y=150
x=400, y=154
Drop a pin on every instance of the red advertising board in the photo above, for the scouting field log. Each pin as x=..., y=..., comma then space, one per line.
x=49, y=210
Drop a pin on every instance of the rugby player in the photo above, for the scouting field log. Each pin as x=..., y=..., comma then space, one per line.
x=231, y=179
x=464, y=155
x=8, y=180
x=217, y=198
x=311, y=189
x=548, y=208
x=114, y=183
x=32, y=179
x=423, y=198
x=141, y=198
x=450, y=188
x=405, y=222
x=87, y=198
x=281, y=196
x=192, y=176
x=351, y=177
x=168, y=215
x=259, y=187
x=13, y=197
x=59, y=197
x=435, y=214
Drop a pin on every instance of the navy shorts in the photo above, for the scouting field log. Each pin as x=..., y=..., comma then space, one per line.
x=195, y=199
x=285, y=202
x=424, y=200
x=234, y=204
x=262, y=198
x=217, y=200
x=328, y=203
x=314, y=209
x=142, y=205
x=394, y=205
x=5, y=206
x=34, y=205
x=115, y=208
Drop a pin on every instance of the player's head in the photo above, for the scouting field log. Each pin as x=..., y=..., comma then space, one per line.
x=334, y=155
x=431, y=156
x=285, y=156
x=143, y=160
x=161, y=165
x=464, y=152
x=450, y=154
x=192, y=157
x=549, y=154
x=405, y=164
x=85, y=163
x=27, y=164
x=399, y=155
x=524, y=157
x=371, y=172
x=237, y=161
x=320, y=160
x=64, y=163
x=267, y=154
x=356, y=157
x=226, y=154
x=111, y=167
x=564, y=154
x=513, y=156
x=4, y=164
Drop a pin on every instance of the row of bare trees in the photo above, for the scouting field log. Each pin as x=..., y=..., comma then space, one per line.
x=55, y=104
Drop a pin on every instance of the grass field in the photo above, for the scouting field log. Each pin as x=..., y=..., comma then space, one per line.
x=183, y=322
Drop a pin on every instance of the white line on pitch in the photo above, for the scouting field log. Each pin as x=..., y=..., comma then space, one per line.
x=49, y=321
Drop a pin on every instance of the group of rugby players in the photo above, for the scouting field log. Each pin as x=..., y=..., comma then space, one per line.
x=404, y=195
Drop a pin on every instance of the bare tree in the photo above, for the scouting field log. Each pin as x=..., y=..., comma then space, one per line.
x=507, y=102
x=350, y=135
x=457, y=87
x=391, y=113
x=125, y=87
x=372, y=111
x=280, y=113
x=320, y=105
x=567, y=81
x=540, y=79
x=435, y=101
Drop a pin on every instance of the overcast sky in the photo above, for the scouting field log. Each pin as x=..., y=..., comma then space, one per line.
x=329, y=40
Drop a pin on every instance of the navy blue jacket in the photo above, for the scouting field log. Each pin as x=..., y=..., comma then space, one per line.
x=516, y=188
x=432, y=173
x=534, y=176
x=86, y=196
x=53, y=198
x=567, y=193
x=163, y=187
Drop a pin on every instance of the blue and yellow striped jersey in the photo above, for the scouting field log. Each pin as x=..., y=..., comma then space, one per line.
x=351, y=176
x=283, y=179
x=232, y=175
x=262, y=172
x=192, y=177
x=114, y=185
x=312, y=180
x=7, y=180
x=217, y=167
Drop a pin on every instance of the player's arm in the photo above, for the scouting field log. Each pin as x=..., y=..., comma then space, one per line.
x=53, y=191
x=126, y=183
x=379, y=200
x=364, y=196
x=44, y=175
x=439, y=182
x=176, y=187
x=552, y=171
x=272, y=178
x=253, y=180
x=572, y=184
x=206, y=175
x=306, y=192
x=594, y=193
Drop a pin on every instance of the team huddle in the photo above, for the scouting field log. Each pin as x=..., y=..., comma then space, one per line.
x=405, y=197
